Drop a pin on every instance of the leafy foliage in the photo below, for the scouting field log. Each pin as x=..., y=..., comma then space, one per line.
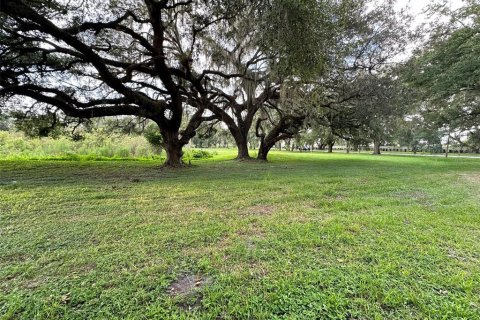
x=195, y=154
x=153, y=137
x=446, y=72
x=38, y=125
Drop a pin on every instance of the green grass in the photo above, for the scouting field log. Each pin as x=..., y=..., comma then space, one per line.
x=305, y=236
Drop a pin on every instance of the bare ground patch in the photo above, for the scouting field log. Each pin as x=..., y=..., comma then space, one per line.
x=187, y=284
x=471, y=181
x=411, y=194
x=187, y=288
x=470, y=177
x=253, y=230
x=261, y=210
x=251, y=235
x=416, y=196
x=32, y=284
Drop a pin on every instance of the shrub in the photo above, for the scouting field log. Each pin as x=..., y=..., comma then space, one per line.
x=153, y=136
x=194, y=154
x=97, y=145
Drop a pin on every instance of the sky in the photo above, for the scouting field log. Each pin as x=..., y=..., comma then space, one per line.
x=416, y=7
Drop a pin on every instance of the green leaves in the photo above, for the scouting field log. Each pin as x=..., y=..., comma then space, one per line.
x=446, y=73
x=451, y=65
x=297, y=32
x=153, y=136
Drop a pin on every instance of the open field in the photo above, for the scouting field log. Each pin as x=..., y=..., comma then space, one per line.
x=305, y=236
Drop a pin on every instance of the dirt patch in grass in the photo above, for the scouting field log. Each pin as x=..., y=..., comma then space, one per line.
x=331, y=199
x=310, y=205
x=86, y=268
x=15, y=257
x=188, y=284
x=260, y=210
x=187, y=288
x=32, y=284
x=251, y=235
x=201, y=209
x=453, y=254
x=253, y=230
x=471, y=178
x=471, y=181
x=416, y=196
x=411, y=194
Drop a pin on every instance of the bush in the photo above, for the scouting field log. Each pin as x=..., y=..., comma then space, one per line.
x=97, y=145
x=195, y=154
x=153, y=136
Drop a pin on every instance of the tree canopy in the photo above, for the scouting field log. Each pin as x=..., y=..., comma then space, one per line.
x=445, y=72
x=260, y=69
x=144, y=58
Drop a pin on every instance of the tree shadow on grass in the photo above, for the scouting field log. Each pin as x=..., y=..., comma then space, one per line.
x=14, y=174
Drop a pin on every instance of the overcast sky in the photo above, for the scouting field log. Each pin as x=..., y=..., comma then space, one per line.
x=417, y=6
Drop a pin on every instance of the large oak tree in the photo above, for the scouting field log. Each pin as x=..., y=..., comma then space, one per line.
x=113, y=58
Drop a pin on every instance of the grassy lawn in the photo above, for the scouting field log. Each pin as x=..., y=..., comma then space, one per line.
x=305, y=236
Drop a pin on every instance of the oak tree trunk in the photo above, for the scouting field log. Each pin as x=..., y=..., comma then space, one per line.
x=241, y=141
x=376, y=147
x=330, y=147
x=263, y=151
x=284, y=129
x=242, y=147
x=173, y=148
x=447, y=150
